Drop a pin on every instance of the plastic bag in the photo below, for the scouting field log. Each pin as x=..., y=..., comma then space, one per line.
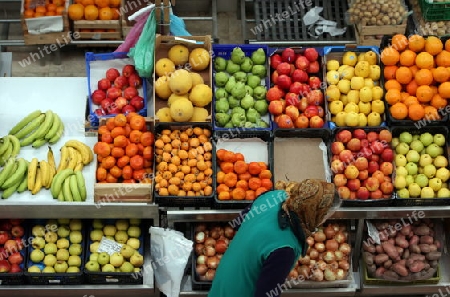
x=142, y=52
x=170, y=252
x=133, y=36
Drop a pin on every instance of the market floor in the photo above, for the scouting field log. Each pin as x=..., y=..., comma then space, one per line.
x=72, y=57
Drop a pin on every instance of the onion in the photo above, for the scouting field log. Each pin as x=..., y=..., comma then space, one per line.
x=212, y=262
x=313, y=254
x=199, y=249
x=304, y=271
x=222, y=232
x=340, y=274
x=229, y=232
x=320, y=247
x=340, y=237
x=310, y=241
x=336, y=228
x=345, y=248
x=321, y=265
x=339, y=255
x=201, y=269
x=329, y=275
x=329, y=232
x=210, y=274
x=221, y=246
x=312, y=264
x=333, y=265
x=317, y=275
x=293, y=274
x=200, y=237
x=200, y=228
x=342, y=228
x=329, y=257
x=210, y=241
x=331, y=245
x=319, y=236
x=344, y=265
x=219, y=256
x=305, y=260
x=210, y=251
x=201, y=260
x=215, y=234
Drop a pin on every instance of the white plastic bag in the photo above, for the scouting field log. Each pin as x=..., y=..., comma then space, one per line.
x=170, y=252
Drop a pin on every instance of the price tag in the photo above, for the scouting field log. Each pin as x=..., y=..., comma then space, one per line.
x=373, y=232
x=109, y=246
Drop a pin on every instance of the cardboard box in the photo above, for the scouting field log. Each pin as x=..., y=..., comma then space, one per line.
x=163, y=44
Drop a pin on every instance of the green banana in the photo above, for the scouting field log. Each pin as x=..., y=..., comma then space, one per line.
x=7, y=170
x=46, y=125
x=58, y=180
x=66, y=190
x=32, y=126
x=26, y=120
x=57, y=123
x=74, y=188
x=81, y=184
x=11, y=190
x=36, y=134
x=39, y=142
x=16, y=177
x=15, y=144
x=57, y=136
x=24, y=183
x=61, y=197
x=6, y=143
x=7, y=155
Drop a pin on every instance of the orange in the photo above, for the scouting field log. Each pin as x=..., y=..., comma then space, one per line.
x=411, y=88
x=393, y=96
x=399, y=111
x=403, y=75
x=58, y=2
x=416, y=43
x=434, y=89
x=60, y=10
x=101, y=3
x=116, y=13
x=105, y=14
x=416, y=112
x=28, y=13
x=444, y=90
x=403, y=96
x=423, y=77
x=39, y=14
x=120, y=120
x=41, y=9
x=392, y=84
x=414, y=69
x=114, y=3
x=399, y=42
x=443, y=59
x=50, y=13
x=76, y=12
x=431, y=113
x=424, y=93
x=51, y=7
x=87, y=2
x=438, y=102
x=447, y=45
x=389, y=72
x=410, y=100
x=238, y=194
x=390, y=56
x=407, y=58
x=441, y=74
x=91, y=12
x=433, y=45
x=425, y=60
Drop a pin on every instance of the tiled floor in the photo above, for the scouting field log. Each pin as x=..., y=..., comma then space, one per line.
x=72, y=58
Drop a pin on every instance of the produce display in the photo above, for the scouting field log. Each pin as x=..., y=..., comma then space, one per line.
x=118, y=92
x=56, y=246
x=179, y=82
x=362, y=164
x=211, y=242
x=421, y=165
x=11, y=246
x=240, y=89
x=124, y=150
x=184, y=162
x=40, y=8
x=377, y=13
x=410, y=252
x=239, y=180
x=94, y=10
x=354, y=95
x=126, y=233
x=328, y=256
x=416, y=77
x=295, y=98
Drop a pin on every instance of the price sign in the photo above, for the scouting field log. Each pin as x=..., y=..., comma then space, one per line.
x=109, y=246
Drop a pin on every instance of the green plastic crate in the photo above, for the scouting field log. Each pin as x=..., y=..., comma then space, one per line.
x=435, y=11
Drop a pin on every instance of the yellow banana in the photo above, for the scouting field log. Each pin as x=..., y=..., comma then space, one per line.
x=86, y=152
x=73, y=158
x=51, y=159
x=32, y=171
x=46, y=173
x=63, y=162
x=38, y=182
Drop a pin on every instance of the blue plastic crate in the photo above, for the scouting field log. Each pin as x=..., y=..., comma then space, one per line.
x=224, y=51
x=93, y=118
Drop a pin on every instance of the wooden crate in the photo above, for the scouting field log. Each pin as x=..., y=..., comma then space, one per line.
x=95, y=26
x=58, y=39
x=367, y=35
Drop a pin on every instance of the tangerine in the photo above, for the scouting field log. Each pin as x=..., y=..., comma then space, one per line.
x=399, y=111
x=444, y=90
x=108, y=162
x=90, y=12
x=76, y=12
x=393, y=96
x=238, y=194
x=127, y=172
x=407, y=58
x=433, y=45
x=389, y=72
x=424, y=93
x=135, y=136
x=120, y=141
x=147, y=138
x=101, y=174
x=416, y=112
x=438, y=102
x=250, y=195
x=399, y=42
x=131, y=150
x=117, y=131
x=137, y=122
x=425, y=60
x=403, y=75
x=416, y=43
x=423, y=77
x=137, y=162
x=390, y=56
x=254, y=168
x=240, y=167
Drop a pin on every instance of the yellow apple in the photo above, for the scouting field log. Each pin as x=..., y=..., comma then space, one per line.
x=332, y=93
x=340, y=118
x=378, y=106
x=350, y=58
x=343, y=98
x=362, y=69
x=347, y=73
x=375, y=72
x=332, y=77
x=371, y=57
x=374, y=119
x=362, y=120
x=365, y=94
x=361, y=57
x=364, y=107
x=351, y=107
x=368, y=82
x=335, y=107
x=344, y=86
x=353, y=96
x=332, y=65
x=357, y=82
x=377, y=93
x=352, y=119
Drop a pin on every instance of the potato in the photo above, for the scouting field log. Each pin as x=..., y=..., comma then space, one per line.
x=433, y=248
x=400, y=269
x=414, y=240
x=387, y=264
x=422, y=230
x=369, y=248
x=434, y=263
x=381, y=258
x=414, y=248
x=417, y=257
x=426, y=239
x=406, y=230
x=379, y=249
x=401, y=241
x=390, y=275
x=368, y=258
x=399, y=250
x=416, y=266
x=424, y=248
x=431, y=256
x=406, y=254
x=380, y=272
x=391, y=251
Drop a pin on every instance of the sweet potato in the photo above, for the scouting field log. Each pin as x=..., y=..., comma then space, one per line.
x=390, y=275
x=422, y=230
x=431, y=256
x=387, y=264
x=401, y=241
x=405, y=230
x=368, y=258
x=424, y=248
x=426, y=239
x=380, y=272
x=379, y=249
x=381, y=258
x=405, y=254
x=391, y=251
x=369, y=248
x=414, y=248
x=400, y=269
x=416, y=266
x=414, y=240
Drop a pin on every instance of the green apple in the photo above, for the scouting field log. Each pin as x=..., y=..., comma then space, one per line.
x=75, y=225
x=63, y=243
x=434, y=150
x=400, y=160
x=409, y=180
x=126, y=267
x=429, y=170
x=63, y=231
x=439, y=139
x=51, y=237
x=38, y=231
x=127, y=251
x=443, y=193
x=440, y=161
x=74, y=261
x=38, y=243
x=93, y=247
x=134, y=231
x=50, y=260
x=75, y=236
x=34, y=269
x=75, y=249
x=109, y=230
x=426, y=192
x=61, y=266
x=137, y=260
x=63, y=221
x=403, y=193
x=400, y=182
x=48, y=269
x=122, y=225
x=62, y=255
x=414, y=190
x=97, y=224
x=402, y=148
x=108, y=268
x=93, y=257
x=443, y=174
x=116, y=259
x=73, y=269
x=50, y=248
x=92, y=266
x=412, y=168
x=405, y=137
x=135, y=222
x=435, y=184
x=416, y=145
x=103, y=258
x=121, y=236
x=117, y=269
x=415, y=137
x=412, y=156
x=425, y=159
x=426, y=138
x=136, y=243
x=37, y=256
x=96, y=235
x=421, y=180
x=395, y=141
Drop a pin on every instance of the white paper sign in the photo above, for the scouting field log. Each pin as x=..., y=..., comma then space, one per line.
x=109, y=246
x=373, y=232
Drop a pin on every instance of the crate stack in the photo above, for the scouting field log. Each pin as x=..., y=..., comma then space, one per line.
x=431, y=18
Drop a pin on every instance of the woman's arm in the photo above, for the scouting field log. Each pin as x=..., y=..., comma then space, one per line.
x=274, y=272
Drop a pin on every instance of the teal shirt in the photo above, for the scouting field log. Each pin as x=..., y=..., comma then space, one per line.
x=258, y=236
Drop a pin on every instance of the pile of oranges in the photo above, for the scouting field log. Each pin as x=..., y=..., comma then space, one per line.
x=40, y=8
x=92, y=10
x=417, y=72
x=238, y=180
x=124, y=150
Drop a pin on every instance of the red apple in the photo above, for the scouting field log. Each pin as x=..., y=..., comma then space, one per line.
x=337, y=147
x=112, y=74
x=344, y=136
x=274, y=77
x=4, y=237
x=377, y=147
x=275, y=60
x=314, y=82
x=387, y=179
x=340, y=180
x=314, y=67
x=305, y=90
x=104, y=84
x=387, y=155
x=354, y=184
x=373, y=166
x=365, y=152
x=4, y=266
x=134, y=80
x=363, y=174
x=372, y=136
x=377, y=194
x=301, y=122
x=386, y=188
x=113, y=93
x=113, y=110
x=99, y=112
x=302, y=63
x=378, y=174
x=285, y=122
x=359, y=133
x=300, y=76
x=387, y=168
x=97, y=96
x=17, y=231
x=337, y=166
x=106, y=104
x=361, y=163
x=372, y=184
x=20, y=243
x=121, y=82
x=346, y=156
x=130, y=92
x=344, y=192
x=354, y=144
x=11, y=246
x=316, y=122
x=128, y=108
x=276, y=107
x=274, y=93
x=362, y=193
x=288, y=55
x=291, y=99
x=16, y=222
x=127, y=70
x=311, y=54
x=137, y=102
x=284, y=81
x=364, y=142
x=296, y=87
x=311, y=111
x=315, y=97
x=15, y=258
x=375, y=158
x=120, y=102
x=5, y=225
x=15, y=268
x=292, y=112
x=283, y=68
x=292, y=69
x=302, y=104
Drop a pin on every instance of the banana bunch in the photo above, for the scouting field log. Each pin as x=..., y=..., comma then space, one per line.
x=75, y=155
x=68, y=185
x=38, y=128
x=13, y=177
x=9, y=148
